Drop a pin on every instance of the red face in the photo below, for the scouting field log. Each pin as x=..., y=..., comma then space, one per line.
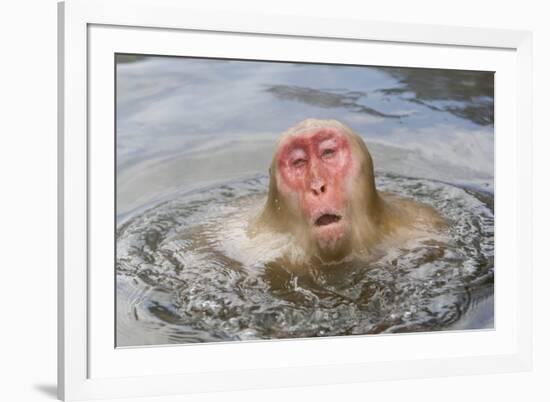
x=315, y=171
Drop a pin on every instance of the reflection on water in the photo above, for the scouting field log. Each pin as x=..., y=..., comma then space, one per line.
x=466, y=94
x=327, y=99
x=194, y=141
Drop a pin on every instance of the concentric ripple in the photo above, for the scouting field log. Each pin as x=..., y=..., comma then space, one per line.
x=187, y=272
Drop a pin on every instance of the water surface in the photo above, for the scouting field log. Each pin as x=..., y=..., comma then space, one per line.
x=194, y=141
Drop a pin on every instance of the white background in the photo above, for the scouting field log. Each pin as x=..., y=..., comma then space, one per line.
x=28, y=198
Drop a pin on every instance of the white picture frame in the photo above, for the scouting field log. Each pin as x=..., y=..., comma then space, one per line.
x=89, y=365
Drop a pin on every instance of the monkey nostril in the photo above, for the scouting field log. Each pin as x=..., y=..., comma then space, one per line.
x=318, y=189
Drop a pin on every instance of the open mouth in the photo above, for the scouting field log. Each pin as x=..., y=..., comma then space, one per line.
x=327, y=219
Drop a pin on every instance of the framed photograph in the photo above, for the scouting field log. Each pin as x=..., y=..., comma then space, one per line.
x=262, y=201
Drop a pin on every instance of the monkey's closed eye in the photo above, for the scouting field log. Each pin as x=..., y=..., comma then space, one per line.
x=328, y=152
x=299, y=162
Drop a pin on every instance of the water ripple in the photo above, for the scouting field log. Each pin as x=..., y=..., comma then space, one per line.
x=187, y=272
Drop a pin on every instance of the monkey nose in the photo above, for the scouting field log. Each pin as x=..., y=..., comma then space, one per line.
x=318, y=187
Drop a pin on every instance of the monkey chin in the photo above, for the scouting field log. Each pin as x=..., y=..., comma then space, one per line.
x=332, y=241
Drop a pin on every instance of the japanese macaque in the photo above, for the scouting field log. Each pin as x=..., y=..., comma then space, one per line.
x=322, y=192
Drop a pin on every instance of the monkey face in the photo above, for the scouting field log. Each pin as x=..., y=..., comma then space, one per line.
x=315, y=170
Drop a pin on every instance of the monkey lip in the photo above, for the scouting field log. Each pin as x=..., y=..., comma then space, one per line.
x=327, y=219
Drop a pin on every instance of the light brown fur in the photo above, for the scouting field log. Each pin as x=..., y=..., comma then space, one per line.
x=376, y=217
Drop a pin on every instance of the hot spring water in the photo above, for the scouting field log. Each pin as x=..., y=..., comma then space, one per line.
x=187, y=272
x=194, y=141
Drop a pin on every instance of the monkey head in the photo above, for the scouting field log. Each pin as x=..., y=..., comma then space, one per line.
x=321, y=187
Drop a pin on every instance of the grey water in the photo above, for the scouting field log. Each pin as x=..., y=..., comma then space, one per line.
x=194, y=142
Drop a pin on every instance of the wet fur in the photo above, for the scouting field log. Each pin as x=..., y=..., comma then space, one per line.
x=376, y=216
